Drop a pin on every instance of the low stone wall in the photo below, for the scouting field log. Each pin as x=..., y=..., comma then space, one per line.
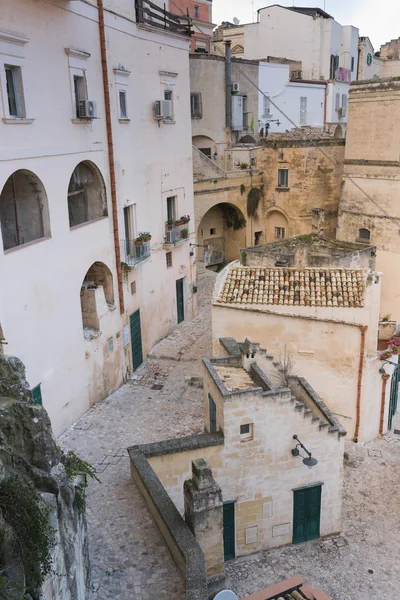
x=178, y=538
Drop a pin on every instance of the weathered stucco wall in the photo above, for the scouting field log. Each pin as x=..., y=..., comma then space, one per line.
x=313, y=182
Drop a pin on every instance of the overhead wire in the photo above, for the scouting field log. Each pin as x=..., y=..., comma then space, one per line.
x=301, y=130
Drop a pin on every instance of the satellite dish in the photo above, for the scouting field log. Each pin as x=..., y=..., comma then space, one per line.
x=236, y=21
x=226, y=595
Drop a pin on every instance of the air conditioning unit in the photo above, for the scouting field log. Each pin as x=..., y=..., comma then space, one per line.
x=87, y=109
x=342, y=112
x=171, y=236
x=163, y=109
x=235, y=88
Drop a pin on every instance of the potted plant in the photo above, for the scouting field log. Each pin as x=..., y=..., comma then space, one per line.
x=170, y=222
x=138, y=241
x=178, y=222
x=185, y=232
x=145, y=236
x=185, y=218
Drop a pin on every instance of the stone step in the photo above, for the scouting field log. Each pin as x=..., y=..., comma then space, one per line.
x=315, y=418
x=299, y=406
x=323, y=424
x=308, y=412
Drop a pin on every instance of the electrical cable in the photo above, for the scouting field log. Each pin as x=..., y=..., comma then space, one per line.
x=302, y=131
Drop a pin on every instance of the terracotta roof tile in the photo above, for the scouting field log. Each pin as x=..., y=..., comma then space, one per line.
x=294, y=287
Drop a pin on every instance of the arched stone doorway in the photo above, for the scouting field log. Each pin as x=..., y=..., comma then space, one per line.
x=24, y=210
x=277, y=226
x=86, y=194
x=205, y=144
x=223, y=231
x=97, y=295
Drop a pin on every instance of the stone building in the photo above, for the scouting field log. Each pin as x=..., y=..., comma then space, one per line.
x=299, y=179
x=373, y=65
x=314, y=303
x=89, y=161
x=372, y=162
x=274, y=448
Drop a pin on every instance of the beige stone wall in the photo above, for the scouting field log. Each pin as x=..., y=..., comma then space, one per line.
x=372, y=161
x=260, y=474
x=391, y=49
x=313, y=183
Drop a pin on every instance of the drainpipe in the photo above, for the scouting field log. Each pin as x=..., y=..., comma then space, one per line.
x=385, y=378
x=228, y=77
x=110, y=144
x=363, y=329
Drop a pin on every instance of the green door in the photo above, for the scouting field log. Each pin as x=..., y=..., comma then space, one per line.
x=180, y=307
x=136, y=340
x=306, y=514
x=394, y=392
x=229, y=530
x=213, y=414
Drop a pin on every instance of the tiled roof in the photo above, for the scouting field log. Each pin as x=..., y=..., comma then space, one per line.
x=294, y=287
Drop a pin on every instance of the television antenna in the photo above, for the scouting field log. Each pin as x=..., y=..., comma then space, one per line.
x=226, y=595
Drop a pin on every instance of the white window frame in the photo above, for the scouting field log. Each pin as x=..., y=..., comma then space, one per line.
x=303, y=110
x=266, y=107
x=200, y=103
x=168, y=83
x=246, y=437
x=12, y=53
x=279, y=233
x=337, y=101
x=77, y=68
x=283, y=187
x=15, y=72
x=121, y=85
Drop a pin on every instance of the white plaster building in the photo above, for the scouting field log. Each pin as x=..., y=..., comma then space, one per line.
x=71, y=285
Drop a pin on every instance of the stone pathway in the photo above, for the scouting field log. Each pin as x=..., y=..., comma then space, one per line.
x=129, y=559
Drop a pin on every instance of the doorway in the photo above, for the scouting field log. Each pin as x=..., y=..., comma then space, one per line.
x=229, y=530
x=136, y=339
x=306, y=514
x=180, y=305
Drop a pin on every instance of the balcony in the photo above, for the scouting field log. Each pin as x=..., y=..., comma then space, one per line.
x=176, y=233
x=150, y=14
x=343, y=74
x=134, y=252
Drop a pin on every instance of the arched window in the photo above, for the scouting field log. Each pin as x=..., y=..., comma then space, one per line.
x=364, y=235
x=97, y=295
x=86, y=195
x=24, y=213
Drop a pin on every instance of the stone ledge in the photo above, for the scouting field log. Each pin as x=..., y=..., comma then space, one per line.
x=184, y=444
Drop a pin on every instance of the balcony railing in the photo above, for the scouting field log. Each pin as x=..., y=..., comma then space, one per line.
x=176, y=233
x=133, y=254
x=150, y=14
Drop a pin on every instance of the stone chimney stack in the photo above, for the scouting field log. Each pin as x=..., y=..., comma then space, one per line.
x=204, y=517
x=318, y=221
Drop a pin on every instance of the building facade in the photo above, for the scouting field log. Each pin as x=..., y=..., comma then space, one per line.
x=372, y=162
x=81, y=294
x=200, y=12
x=373, y=65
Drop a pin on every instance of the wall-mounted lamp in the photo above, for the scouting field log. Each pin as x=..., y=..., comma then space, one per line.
x=215, y=155
x=309, y=461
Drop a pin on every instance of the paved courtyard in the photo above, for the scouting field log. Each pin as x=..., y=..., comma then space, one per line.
x=129, y=559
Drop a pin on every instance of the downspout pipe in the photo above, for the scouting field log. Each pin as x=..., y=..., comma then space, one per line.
x=363, y=329
x=110, y=144
x=385, y=378
x=228, y=77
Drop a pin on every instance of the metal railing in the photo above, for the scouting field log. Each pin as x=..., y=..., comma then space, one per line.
x=150, y=14
x=132, y=253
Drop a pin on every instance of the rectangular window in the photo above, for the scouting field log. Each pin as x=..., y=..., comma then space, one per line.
x=133, y=287
x=344, y=101
x=257, y=237
x=168, y=259
x=196, y=12
x=213, y=231
x=303, y=110
x=206, y=152
x=171, y=208
x=246, y=432
x=279, y=233
x=352, y=63
x=123, y=111
x=283, y=178
x=195, y=105
x=37, y=395
x=79, y=94
x=15, y=97
x=337, y=101
x=168, y=95
x=267, y=107
x=213, y=414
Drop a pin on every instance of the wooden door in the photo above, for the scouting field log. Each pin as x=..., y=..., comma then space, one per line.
x=136, y=340
x=229, y=530
x=306, y=514
x=180, y=306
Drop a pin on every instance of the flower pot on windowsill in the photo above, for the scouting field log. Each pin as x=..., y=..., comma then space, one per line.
x=138, y=242
x=169, y=226
x=178, y=223
x=147, y=239
x=184, y=233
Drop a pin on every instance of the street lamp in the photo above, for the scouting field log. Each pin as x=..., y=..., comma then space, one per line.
x=309, y=461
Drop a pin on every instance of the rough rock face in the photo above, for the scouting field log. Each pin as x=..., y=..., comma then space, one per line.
x=28, y=449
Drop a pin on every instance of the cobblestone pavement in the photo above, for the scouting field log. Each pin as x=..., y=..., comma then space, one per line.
x=129, y=560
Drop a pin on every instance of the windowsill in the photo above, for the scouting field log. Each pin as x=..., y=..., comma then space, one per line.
x=282, y=189
x=168, y=122
x=17, y=121
x=124, y=120
x=363, y=241
x=87, y=223
x=197, y=117
x=82, y=121
x=178, y=243
x=32, y=243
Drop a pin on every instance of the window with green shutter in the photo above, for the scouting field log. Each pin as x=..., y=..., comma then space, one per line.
x=37, y=395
